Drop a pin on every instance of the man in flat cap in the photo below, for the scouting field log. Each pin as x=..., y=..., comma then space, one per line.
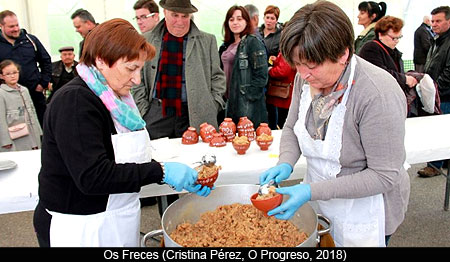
x=63, y=70
x=183, y=85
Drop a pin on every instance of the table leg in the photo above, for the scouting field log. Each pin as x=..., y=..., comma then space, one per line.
x=164, y=203
x=447, y=190
x=447, y=185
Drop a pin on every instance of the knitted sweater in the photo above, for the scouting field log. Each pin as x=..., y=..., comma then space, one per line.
x=373, y=151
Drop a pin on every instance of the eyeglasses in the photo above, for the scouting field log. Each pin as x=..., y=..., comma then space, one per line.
x=395, y=38
x=11, y=74
x=143, y=17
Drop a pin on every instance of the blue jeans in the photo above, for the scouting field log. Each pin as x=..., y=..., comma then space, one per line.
x=445, y=108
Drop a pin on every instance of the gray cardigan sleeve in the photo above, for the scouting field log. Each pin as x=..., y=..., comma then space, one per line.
x=372, y=153
x=289, y=148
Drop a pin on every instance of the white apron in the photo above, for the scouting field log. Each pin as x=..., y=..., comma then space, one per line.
x=356, y=222
x=119, y=225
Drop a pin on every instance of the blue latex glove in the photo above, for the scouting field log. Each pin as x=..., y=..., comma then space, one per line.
x=199, y=190
x=179, y=176
x=298, y=195
x=277, y=173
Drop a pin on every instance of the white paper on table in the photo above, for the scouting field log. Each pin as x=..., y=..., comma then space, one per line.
x=164, y=149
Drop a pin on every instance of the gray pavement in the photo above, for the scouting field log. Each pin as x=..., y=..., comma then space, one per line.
x=426, y=223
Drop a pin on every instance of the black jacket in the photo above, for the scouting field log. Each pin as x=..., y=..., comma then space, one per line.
x=58, y=68
x=272, y=40
x=78, y=169
x=422, y=43
x=27, y=53
x=438, y=64
x=384, y=57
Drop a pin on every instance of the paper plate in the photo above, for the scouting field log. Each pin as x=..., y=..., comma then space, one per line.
x=7, y=164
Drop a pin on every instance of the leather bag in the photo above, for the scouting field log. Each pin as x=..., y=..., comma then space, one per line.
x=21, y=129
x=278, y=89
x=18, y=131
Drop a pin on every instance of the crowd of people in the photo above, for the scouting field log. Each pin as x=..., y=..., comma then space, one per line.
x=310, y=77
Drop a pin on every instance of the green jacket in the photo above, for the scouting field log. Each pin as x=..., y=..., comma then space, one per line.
x=248, y=80
x=362, y=39
x=205, y=80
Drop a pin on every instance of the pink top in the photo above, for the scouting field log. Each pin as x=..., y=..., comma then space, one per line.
x=227, y=61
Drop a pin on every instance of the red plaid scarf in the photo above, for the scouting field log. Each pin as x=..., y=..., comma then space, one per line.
x=168, y=86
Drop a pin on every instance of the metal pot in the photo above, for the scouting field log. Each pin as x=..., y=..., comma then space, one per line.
x=190, y=207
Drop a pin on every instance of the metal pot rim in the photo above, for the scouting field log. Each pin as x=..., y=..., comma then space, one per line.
x=240, y=187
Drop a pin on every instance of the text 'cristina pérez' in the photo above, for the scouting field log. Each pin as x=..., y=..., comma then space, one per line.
x=163, y=254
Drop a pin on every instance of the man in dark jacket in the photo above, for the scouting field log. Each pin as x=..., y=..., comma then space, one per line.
x=438, y=67
x=84, y=22
x=63, y=70
x=26, y=50
x=254, y=18
x=423, y=36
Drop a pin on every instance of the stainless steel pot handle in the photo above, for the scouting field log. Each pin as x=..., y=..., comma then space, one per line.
x=151, y=234
x=327, y=222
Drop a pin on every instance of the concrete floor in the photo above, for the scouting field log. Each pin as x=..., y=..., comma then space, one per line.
x=426, y=223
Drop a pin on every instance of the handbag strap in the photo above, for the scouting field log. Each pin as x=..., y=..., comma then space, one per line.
x=279, y=83
x=29, y=117
x=385, y=50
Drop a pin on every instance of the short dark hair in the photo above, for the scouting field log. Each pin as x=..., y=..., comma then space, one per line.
x=4, y=14
x=113, y=40
x=150, y=5
x=83, y=14
x=379, y=9
x=228, y=35
x=319, y=32
x=442, y=9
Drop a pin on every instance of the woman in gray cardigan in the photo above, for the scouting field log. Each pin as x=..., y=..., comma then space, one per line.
x=347, y=117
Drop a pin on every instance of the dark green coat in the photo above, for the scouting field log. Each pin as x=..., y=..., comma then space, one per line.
x=362, y=39
x=248, y=80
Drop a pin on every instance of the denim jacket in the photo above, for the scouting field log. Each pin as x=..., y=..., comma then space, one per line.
x=248, y=80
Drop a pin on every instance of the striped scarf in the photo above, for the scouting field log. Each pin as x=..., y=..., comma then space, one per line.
x=169, y=84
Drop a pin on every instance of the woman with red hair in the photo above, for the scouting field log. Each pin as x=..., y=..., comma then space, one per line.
x=383, y=53
x=96, y=151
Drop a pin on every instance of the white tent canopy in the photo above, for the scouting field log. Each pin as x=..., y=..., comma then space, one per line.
x=50, y=20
